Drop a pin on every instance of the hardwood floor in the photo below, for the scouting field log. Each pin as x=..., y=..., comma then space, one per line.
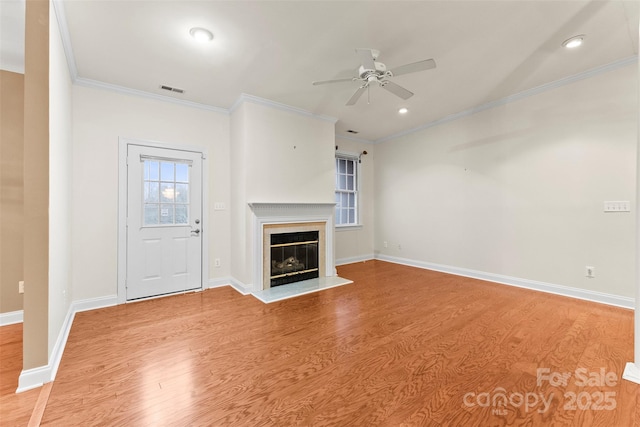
x=15, y=409
x=400, y=346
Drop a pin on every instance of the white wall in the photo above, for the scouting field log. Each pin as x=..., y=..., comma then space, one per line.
x=356, y=243
x=100, y=117
x=278, y=156
x=240, y=244
x=60, y=181
x=288, y=156
x=518, y=190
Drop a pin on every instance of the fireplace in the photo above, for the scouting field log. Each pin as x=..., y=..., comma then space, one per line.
x=292, y=252
x=294, y=257
x=283, y=218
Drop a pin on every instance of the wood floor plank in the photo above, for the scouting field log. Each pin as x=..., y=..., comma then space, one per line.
x=401, y=346
x=15, y=409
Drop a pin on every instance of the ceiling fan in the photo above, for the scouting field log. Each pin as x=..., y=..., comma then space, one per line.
x=372, y=71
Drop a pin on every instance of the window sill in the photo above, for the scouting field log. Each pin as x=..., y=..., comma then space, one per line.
x=348, y=227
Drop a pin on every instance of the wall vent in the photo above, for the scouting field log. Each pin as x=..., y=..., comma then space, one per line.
x=172, y=89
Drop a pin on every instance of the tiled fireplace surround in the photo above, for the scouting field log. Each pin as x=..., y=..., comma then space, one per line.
x=271, y=218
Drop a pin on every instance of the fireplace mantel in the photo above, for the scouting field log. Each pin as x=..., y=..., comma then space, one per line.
x=290, y=213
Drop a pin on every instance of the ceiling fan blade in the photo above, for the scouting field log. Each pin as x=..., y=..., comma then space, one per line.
x=358, y=93
x=396, y=89
x=424, y=65
x=324, y=82
x=366, y=57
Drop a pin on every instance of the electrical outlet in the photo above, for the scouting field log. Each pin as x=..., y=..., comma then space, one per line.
x=590, y=272
x=617, y=206
x=217, y=263
x=385, y=244
x=21, y=287
x=399, y=247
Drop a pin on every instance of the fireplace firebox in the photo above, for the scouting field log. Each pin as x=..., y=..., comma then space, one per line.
x=294, y=257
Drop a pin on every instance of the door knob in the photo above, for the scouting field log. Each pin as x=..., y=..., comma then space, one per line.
x=197, y=231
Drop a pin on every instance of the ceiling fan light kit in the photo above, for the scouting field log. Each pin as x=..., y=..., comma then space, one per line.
x=201, y=34
x=372, y=71
x=573, y=42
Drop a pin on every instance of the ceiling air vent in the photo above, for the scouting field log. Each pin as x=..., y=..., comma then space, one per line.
x=172, y=89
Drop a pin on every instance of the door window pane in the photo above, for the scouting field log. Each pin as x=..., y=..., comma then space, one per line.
x=166, y=214
x=165, y=193
x=181, y=214
x=166, y=171
x=151, y=215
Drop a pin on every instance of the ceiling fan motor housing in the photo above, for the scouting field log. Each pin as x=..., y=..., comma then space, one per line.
x=379, y=71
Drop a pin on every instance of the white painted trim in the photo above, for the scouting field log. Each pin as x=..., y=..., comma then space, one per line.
x=219, y=282
x=36, y=377
x=583, y=294
x=230, y=281
x=61, y=342
x=123, y=143
x=516, y=97
x=279, y=106
x=63, y=27
x=631, y=373
x=11, y=317
x=33, y=378
x=294, y=213
x=354, y=138
x=354, y=259
x=81, y=81
x=94, y=303
x=240, y=287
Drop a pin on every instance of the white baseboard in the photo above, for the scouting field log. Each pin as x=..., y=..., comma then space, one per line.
x=36, y=377
x=583, y=294
x=354, y=259
x=11, y=317
x=94, y=303
x=230, y=281
x=244, y=289
x=218, y=282
x=33, y=378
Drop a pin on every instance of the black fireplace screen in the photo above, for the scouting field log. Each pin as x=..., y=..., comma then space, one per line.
x=294, y=257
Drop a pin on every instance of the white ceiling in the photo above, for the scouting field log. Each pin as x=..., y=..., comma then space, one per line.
x=485, y=51
x=12, y=35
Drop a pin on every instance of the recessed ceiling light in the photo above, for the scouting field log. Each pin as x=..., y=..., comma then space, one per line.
x=573, y=42
x=403, y=110
x=201, y=34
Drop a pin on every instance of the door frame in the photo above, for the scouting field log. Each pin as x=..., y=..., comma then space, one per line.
x=123, y=145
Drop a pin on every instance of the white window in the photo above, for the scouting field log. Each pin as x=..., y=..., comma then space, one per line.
x=346, y=190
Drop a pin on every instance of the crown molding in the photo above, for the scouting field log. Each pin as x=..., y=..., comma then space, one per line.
x=517, y=97
x=73, y=71
x=279, y=106
x=81, y=81
x=355, y=139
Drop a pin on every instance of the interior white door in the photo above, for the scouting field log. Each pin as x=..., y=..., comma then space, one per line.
x=164, y=221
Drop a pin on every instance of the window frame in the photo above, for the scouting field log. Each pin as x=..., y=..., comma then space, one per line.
x=354, y=157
